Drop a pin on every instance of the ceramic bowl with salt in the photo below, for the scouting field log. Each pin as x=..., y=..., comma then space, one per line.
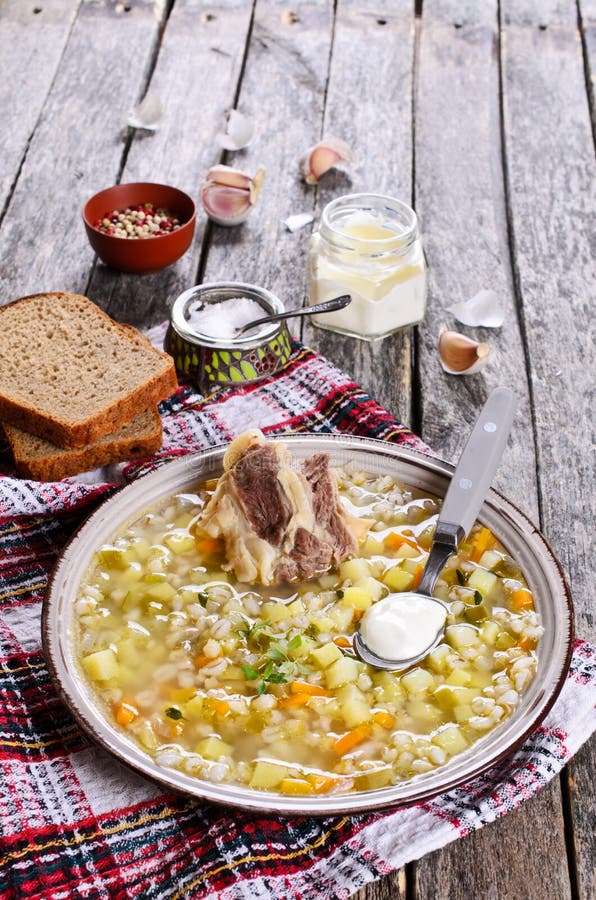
x=203, y=336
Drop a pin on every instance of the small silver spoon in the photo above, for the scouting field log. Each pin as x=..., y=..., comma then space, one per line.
x=327, y=306
x=468, y=488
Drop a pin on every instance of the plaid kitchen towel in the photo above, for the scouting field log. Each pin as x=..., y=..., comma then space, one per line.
x=75, y=823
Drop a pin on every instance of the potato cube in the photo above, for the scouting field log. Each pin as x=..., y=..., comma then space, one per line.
x=489, y=632
x=450, y=739
x=372, y=586
x=342, y=616
x=327, y=654
x=449, y=696
x=213, y=747
x=437, y=658
x=490, y=559
x=353, y=704
x=323, y=624
x=461, y=636
x=267, y=775
x=407, y=552
x=425, y=715
x=353, y=569
x=417, y=681
x=462, y=713
x=194, y=707
x=295, y=786
x=296, y=608
x=101, y=665
x=461, y=677
x=372, y=546
x=398, y=580
x=162, y=591
x=356, y=597
x=376, y=778
x=482, y=581
x=179, y=542
x=275, y=612
x=341, y=672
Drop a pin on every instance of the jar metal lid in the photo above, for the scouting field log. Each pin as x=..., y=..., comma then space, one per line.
x=216, y=293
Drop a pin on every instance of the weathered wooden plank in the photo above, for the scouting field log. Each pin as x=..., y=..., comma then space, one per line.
x=380, y=134
x=460, y=197
x=283, y=89
x=497, y=862
x=393, y=887
x=77, y=147
x=32, y=37
x=587, y=23
x=202, y=45
x=550, y=170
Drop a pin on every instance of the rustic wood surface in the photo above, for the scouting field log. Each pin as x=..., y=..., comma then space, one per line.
x=479, y=114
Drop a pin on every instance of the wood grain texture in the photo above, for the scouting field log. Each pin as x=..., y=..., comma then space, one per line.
x=550, y=168
x=500, y=861
x=283, y=89
x=26, y=72
x=202, y=46
x=392, y=887
x=76, y=149
x=380, y=135
x=587, y=22
x=460, y=198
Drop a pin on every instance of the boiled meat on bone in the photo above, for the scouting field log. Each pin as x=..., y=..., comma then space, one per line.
x=277, y=523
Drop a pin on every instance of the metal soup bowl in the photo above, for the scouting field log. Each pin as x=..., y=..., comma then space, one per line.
x=517, y=534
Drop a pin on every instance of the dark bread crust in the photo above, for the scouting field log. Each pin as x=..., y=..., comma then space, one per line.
x=38, y=459
x=81, y=430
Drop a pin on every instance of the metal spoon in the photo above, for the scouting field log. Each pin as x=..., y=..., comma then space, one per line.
x=327, y=306
x=468, y=488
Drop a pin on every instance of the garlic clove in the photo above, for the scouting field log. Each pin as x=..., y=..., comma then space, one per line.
x=228, y=176
x=228, y=195
x=298, y=221
x=322, y=157
x=484, y=310
x=147, y=114
x=239, y=132
x=460, y=355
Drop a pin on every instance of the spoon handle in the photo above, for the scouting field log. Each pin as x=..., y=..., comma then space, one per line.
x=479, y=461
x=327, y=306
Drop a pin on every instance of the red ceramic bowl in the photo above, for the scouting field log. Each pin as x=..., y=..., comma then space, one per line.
x=140, y=255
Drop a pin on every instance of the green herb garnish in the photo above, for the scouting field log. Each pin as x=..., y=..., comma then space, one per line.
x=460, y=576
x=203, y=598
x=339, y=594
x=478, y=598
x=174, y=713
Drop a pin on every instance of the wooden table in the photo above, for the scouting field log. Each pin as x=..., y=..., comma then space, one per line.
x=479, y=115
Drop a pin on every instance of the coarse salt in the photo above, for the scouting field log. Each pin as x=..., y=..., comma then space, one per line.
x=223, y=320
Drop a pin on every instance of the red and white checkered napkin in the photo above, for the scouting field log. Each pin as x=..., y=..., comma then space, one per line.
x=75, y=823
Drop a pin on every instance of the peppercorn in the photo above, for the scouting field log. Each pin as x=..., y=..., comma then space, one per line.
x=140, y=221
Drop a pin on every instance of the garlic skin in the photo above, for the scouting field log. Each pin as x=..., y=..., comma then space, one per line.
x=322, y=157
x=460, y=355
x=484, y=310
x=239, y=132
x=228, y=194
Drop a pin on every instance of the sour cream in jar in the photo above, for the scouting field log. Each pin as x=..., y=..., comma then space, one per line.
x=368, y=246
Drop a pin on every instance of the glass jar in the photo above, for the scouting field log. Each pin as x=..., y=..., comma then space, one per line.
x=368, y=246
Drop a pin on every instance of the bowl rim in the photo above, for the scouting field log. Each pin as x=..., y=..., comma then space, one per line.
x=151, y=184
x=55, y=643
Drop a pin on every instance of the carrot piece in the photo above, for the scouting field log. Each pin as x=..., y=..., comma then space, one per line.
x=342, y=641
x=522, y=599
x=384, y=719
x=303, y=687
x=482, y=542
x=294, y=700
x=417, y=577
x=525, y=643
x=202, y=660
x=208, y=545
x=321, y=783
x=350, y=740
x=125, y=713
x=221, y=707
x=395, y=539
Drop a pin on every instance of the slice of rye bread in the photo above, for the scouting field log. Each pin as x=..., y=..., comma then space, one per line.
x=39, y=459
x=70, y=374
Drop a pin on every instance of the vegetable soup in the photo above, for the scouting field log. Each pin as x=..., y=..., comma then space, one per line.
x=260, y=687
